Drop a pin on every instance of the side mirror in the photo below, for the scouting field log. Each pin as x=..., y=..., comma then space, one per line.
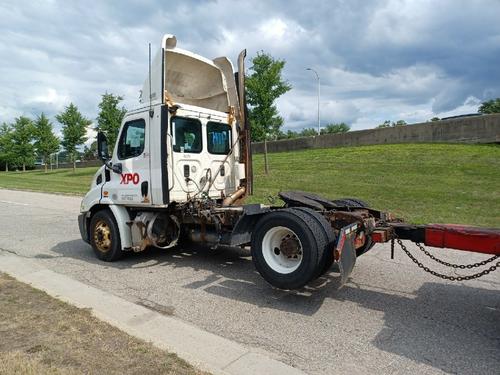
x=117, y=168
x=102, y=147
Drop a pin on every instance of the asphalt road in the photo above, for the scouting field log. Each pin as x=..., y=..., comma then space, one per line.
x=390, y=318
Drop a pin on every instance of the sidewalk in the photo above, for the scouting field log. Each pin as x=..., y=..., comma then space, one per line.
x=200, y=348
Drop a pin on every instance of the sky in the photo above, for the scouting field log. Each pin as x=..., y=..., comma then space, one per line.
x=377, y=60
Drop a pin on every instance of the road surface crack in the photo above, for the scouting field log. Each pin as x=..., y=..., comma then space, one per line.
x=38, y=256
x=237, y=359
x=12, y=252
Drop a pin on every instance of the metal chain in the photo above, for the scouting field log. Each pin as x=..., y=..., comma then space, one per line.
x=461, y=266
x=446, y=277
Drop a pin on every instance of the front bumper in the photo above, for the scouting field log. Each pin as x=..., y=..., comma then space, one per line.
x=82, y=225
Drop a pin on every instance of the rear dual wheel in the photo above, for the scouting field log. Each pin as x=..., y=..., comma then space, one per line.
x=290, y=247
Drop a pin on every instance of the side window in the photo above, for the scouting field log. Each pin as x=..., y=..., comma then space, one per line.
x=186, y=133
x=131, y=142
x=218, y=138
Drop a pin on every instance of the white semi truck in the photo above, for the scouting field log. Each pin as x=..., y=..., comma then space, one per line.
x=181, y=169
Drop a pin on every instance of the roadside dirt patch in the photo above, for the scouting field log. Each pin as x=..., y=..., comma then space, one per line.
x=42, y=335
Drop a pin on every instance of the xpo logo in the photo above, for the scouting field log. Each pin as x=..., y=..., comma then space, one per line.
x=129, y=177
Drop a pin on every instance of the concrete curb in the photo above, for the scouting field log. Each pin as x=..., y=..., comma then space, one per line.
x=200, y=348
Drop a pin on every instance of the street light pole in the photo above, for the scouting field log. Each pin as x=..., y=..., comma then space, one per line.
x=319, y=97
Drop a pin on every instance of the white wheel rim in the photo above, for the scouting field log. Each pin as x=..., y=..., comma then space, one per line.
x=271, y=250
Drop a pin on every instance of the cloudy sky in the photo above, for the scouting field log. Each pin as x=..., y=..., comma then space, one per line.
x=378, y=60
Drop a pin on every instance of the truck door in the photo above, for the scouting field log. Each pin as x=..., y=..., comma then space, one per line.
x=187, y=158
x=219, y=142
x=132, y=186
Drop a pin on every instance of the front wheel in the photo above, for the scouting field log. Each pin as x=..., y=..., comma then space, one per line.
x=288, y=248
x=105, y=237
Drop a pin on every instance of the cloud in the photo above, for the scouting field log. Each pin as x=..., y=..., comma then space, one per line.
x=378, y=60
x=51, y=97
x=278, y=33
x=301, y=111
x=91, y=134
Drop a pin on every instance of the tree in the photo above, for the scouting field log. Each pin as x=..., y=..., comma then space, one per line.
x=74, y=129
x=263, y=87
x=7, y=156
x=491, y=106
x=290, y=134
x=311, y=132
x=308, y=132
x=22, y=142
x=389, y=124
x=46, y=142
x=434, y=119
x=63, y=157
x=89, y=153
x=386, y=124
x=336, y=128
x=110, y=117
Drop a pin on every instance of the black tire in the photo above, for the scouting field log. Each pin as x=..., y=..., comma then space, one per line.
x=105, y=237
x=328, y=259
x=311, y=238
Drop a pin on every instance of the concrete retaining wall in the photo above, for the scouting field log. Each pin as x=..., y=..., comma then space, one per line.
x=476, y=129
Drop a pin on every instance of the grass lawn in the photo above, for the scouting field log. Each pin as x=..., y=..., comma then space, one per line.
x=56, y=181
x=42, y=335
x=423, y=183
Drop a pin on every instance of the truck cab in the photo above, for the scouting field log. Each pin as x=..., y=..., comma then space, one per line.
x=181, y=168
x=183, y=142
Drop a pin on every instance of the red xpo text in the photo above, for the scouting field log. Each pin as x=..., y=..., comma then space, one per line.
x=129, y=177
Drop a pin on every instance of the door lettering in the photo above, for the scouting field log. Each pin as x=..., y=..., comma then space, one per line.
x=129, y=177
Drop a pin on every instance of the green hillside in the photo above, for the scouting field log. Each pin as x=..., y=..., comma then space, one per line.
x=420, y=182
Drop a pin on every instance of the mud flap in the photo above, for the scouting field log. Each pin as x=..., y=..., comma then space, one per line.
x=345, y=252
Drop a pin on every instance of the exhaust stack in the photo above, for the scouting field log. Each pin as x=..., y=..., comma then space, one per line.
x=244, y=125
